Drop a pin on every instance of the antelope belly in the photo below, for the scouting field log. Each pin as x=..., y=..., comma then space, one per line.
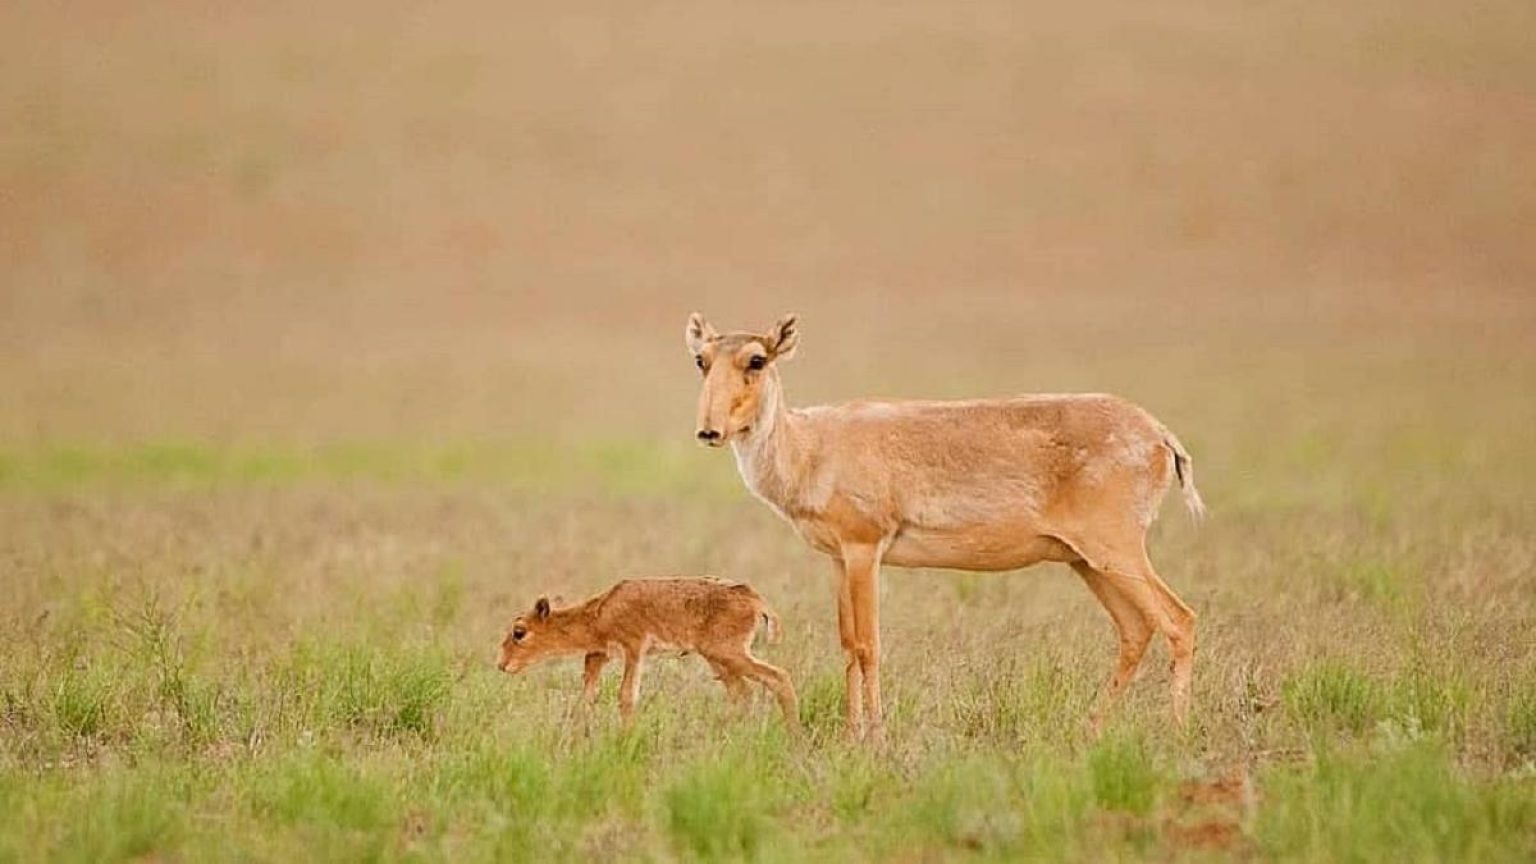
x=989, y=548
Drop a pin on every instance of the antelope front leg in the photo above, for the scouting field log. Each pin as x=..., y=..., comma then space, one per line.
x=861, y=566
x=849, y=638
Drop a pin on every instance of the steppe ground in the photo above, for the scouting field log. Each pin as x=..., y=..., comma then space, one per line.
x=333, y=334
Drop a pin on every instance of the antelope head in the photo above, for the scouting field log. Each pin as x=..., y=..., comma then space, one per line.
x=739, y=375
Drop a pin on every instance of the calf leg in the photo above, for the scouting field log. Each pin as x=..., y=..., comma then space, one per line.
x=774, y=679
x=591, y=675
x=629, y=688
x=735, y=686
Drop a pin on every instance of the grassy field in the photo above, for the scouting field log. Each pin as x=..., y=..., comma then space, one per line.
x=331, y=336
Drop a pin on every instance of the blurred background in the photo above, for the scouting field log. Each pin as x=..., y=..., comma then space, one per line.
x=288, y=225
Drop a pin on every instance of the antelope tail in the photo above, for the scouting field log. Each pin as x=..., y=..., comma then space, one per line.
x=1184, y=467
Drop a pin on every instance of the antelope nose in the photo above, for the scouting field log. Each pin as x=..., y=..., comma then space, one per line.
x=709, y=435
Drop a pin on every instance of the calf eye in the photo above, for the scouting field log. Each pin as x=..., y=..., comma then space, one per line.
x=757, y=363
x=699, y=361
x=518, y=633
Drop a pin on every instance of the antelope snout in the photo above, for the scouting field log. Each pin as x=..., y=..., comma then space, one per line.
x=712, y=437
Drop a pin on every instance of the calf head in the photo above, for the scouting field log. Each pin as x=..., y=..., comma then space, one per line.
x=538, y=634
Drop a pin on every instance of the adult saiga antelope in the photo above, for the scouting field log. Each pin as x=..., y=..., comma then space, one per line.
x=990, y=484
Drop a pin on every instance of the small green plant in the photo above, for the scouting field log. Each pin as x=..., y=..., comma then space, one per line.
x=416, y=687
x=1056, y=796
x=1011, y=703
x=1434, y=700
x=127, y=814
x=716, y=810
x=1123, y=774
x=81, y=700
x=309, y=787
x=387, y=694
x=822, y=706
x=1330, y=695
x=514, y=779
x=156, y=646
x=606, y=774
x=1520, y=719
x=854, y=784
x=966, y=803
x=1374, y=580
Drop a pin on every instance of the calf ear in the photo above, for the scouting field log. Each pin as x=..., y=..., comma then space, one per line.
x=783, y=337
x=541, y=608
x=697, y=333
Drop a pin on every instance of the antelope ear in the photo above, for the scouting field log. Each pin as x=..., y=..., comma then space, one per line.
x=783, y=337
x=698, y=332
x=541, y=608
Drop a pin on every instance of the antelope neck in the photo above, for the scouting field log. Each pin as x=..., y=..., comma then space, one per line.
x=766, y=455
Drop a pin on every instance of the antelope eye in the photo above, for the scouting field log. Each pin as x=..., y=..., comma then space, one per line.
x=518, y=633
x=698, y=361
x=757, y=363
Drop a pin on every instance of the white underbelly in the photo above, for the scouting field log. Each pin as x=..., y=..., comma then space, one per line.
x=979, y=549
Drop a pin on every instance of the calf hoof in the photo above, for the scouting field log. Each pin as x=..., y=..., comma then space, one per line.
x=853, y=732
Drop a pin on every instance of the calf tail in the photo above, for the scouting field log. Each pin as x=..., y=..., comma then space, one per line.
x=771, y=627
x=1184, y=467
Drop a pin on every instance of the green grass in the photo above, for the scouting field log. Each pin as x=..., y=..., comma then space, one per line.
x=326, y=690
x=1520, y=719
x=1332, y=695
x=81, y=702
x=370, y=750
x=720, y=809
x=620, y=466
x=1124, y=776
x=1411, y=800
x=269, y=672
x=313, y=789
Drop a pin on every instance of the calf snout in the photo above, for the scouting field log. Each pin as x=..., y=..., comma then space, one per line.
x=709, y=436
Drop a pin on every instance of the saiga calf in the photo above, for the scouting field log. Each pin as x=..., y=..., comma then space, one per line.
x=715, y=619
